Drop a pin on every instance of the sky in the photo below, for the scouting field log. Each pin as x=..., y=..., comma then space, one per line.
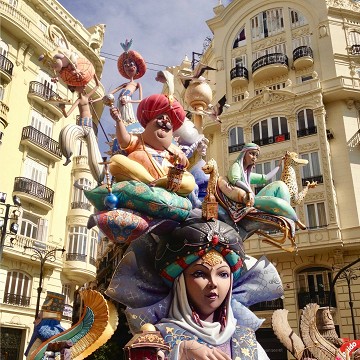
x=163, y=32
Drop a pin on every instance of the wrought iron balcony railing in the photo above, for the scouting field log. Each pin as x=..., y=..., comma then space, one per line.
x=302, y=51
x=270, y=59
x=42, y=140
x=319, y=297
x=318, y=178
x=75, y=257
x=268, y=305
x=355, y=50
x=81, y=205
x=273, y=139
x=235, y=148
x=6, y=65
x=239, y=72
x=15, y=299
x=305, y=132
x=41, y=90
x=34, y=188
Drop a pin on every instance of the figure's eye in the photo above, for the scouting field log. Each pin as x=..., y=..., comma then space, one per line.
x=224, y=274
x=198, y=274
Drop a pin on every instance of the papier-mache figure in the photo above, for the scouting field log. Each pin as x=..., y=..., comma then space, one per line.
x=151, y=154
x=131, y=66
x=47, y=323
x=195, y=285
x=71, y=133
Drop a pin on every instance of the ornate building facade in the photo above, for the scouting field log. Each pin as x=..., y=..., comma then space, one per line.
x=290, y=73
x=53, y=213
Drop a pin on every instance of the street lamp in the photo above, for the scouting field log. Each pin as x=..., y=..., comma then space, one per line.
x=43, y=256
x=14, y=227
x=349, y=274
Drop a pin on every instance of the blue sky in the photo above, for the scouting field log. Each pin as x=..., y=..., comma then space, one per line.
x=163, y=32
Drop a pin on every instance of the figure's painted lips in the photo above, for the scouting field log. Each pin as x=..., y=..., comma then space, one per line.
x=212, y=296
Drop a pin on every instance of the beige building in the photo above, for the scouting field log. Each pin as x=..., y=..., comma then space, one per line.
x=290, y=72
x=53, y=213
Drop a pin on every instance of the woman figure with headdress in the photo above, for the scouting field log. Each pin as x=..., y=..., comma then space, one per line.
x=131, y=66
x=274, y=198
x=202, y=311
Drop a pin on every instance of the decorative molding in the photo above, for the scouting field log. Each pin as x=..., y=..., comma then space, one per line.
x=344, y=4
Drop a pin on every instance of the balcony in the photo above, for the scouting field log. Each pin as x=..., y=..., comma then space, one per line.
x=40, y=142
x=34, y=192
x=355, y=49
x=235, y=148
x=15, y=299
x=303, y=57
x=319, y=297
x=268, y=305
x=6, y=69
x=42, y=94
x=273, y=139
x=318, y=178
x=270, y=66
x=4, y=109
x=306, y=132
x=355, y=140
x=239, y=76
x=81, y=205
x=79, y=268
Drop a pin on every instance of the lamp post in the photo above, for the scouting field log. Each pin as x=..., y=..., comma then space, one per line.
x=7, y=216
x=43, y=256
x=348, y=273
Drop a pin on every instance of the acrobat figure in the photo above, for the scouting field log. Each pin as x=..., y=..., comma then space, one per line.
x=71, y=133
x=131, y=66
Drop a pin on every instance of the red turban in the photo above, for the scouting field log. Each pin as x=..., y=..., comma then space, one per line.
x=158, y=104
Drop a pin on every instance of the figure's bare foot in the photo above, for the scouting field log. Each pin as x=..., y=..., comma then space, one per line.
x=300, y=225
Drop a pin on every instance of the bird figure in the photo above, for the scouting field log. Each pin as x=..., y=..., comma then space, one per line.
x=213, y=111
x=196, y=76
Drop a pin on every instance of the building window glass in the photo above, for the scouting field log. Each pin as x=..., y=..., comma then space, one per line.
x=236, y=139
x=297, y=19
x=79, y=198
x=267, y=23
x=314, y=287
x=39, y=122
x=278, y=48
x=77, y=240
x=311, y=171
x=354, y=38
x=316, y=215
x=35, y=171
x=13, y=3
x=271, y=130
x=66, y=290
x=17, y=288
x=240, y=39
x=93, y=246
x=306, y=123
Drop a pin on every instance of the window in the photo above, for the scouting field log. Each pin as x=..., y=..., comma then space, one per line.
x=297, y=19
x=93, y=247
x=77, y=240
x=268, y=131
x=303, y=78
x=267, y=23
x=314, y=286
x=236, y=139
x=354, y=38
x=66, y=290
x=41, y=123
x=301, y=41
x=312, y=169
x=45, y=79
x=13, y=3
x=240, y=39
x=306, y=123
x=265, y=168
x=316, y=215
x=278, y=48
x=17, y=288
x=239, y=61
x=79, y=199
x=238, y=97
x=35, y=171
x=33, y=226
x=4, y=48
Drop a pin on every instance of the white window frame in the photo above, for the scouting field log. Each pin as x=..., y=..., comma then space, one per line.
x=35, y=171
x=269, y=127
x=240, y=42
x=315, y=222
x=354, y=37
x=238, y=137
x=297, y=19
x=78, y=240
x=41, y=123
x=276, y=49
x=301, y=41
x=274, y=20
x=18, y=285
x=4, y=48
x=306, y=113
x=312, y=166
x=93, y=244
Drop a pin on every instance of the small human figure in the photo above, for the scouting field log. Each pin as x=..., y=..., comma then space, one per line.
x=70, y=134
x=151, y=153
x=131, y=66
x=274, y=198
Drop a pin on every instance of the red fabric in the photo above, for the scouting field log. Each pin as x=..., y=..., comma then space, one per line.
x=158, y=104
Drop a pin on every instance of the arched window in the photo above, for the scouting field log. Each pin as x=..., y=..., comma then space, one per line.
x=297, y=19
x=240, y=39
x=271, y=130
x=17, y=288
x=267, y=23
x=306, y=123
x=236, y=139
x=314, y=287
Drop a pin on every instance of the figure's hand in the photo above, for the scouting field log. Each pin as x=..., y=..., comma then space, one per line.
x=61, y=106
x=280, y=161
x=180, y=158
x=191, y=349
x=115, y=113
x=250, y=199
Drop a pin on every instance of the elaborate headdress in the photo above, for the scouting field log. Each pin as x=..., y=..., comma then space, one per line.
x=134, y=56
x=194, y=239
x=158, y=104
